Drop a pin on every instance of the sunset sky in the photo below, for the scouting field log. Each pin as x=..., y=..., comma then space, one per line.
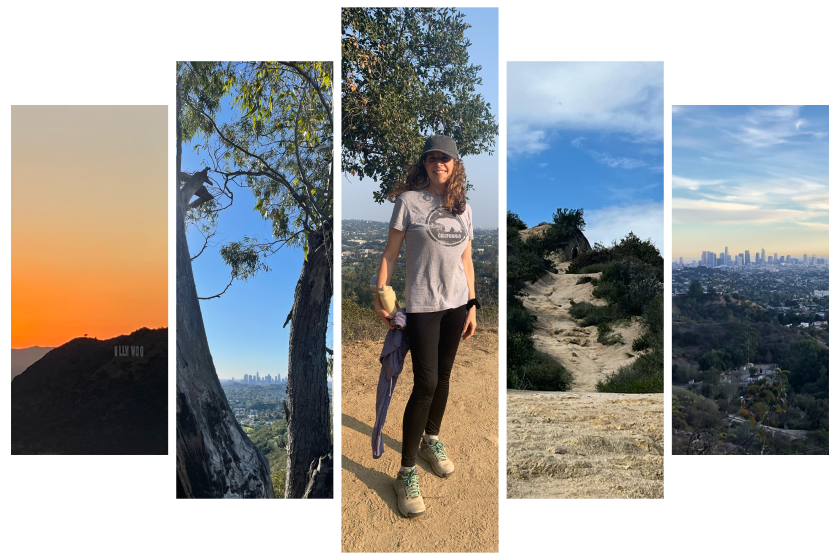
x=89, y=222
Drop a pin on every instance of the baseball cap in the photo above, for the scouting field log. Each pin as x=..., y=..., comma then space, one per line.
x=440, y=143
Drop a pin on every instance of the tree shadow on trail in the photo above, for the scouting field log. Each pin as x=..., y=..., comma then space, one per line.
x=378, y=481
x=364, y=429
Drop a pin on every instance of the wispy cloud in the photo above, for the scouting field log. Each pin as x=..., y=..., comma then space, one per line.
x=607, y=159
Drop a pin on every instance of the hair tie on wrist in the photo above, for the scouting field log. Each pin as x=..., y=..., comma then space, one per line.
x=473, y=302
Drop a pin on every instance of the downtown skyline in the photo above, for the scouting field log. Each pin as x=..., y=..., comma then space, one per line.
x=755, y=174
x=770, y=256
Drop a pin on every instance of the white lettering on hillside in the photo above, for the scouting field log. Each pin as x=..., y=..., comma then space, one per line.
x=133, y=351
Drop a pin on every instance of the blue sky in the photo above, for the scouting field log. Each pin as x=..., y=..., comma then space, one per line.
x=482, y=170
x=588, y=135
x=750, y=177
x=245, y=325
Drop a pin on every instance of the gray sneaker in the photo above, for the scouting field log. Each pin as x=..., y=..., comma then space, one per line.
x=409, y=501
x=435, y=454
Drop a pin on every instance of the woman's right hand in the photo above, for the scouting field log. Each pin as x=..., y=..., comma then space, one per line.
x=380, y=310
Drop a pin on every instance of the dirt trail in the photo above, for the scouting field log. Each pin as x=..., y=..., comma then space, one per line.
x=582, y=444
x=557, y=333
x=462, y=513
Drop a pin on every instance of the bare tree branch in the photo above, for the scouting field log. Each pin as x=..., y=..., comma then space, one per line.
x=270, y=171
x=220, y=293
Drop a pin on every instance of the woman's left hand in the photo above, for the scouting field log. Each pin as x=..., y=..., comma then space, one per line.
x=469, y=326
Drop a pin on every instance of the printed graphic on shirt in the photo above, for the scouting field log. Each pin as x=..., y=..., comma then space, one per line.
x=445, y=227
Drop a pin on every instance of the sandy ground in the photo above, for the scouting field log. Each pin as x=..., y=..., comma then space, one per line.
x=462, y=512
x=582, y=444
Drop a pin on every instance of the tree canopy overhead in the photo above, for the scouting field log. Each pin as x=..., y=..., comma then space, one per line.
x=278, y=145
x=407, y=75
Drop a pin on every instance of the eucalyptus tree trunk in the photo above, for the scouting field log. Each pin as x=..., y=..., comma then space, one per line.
x=309, y=462
x=215, y=458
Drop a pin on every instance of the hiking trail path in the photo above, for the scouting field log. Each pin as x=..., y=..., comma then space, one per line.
x=581, y=443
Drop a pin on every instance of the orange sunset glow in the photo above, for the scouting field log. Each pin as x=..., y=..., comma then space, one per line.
x=89, y=222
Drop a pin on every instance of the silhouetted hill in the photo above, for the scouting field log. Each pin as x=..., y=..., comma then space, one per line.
x=81, y=399
x=22, y=358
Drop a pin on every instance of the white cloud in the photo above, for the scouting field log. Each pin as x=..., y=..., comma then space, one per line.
x=620, y=97
x=612, y=223
x=714, y=212
x=814, y=225
x=690, y=184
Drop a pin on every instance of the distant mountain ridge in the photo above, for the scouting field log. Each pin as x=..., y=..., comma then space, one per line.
x=22, y=358
x=83, y=399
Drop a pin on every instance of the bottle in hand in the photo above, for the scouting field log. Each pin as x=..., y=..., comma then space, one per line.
x=388, y=299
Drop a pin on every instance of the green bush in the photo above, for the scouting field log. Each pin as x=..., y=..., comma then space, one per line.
x=585, y=280
x=514, y=221
x=519, y=319
x=630, y=284
x=645, y=375
x=540, y=373
x=589, y=314
x=631, y=247
x=642, y=343
x=590, y=269
x=278, y=483
x=654, y=316
x=607, y=337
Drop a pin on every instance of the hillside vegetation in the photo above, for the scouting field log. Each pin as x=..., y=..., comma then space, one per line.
x=271, y=441
x=744, y=383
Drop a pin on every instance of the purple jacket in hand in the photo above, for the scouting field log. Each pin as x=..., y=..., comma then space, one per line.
x=392, y=358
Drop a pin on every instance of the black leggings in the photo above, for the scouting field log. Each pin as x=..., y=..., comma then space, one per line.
x=433, y=339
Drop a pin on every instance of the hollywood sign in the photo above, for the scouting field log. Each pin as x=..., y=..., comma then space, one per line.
x=133, y=351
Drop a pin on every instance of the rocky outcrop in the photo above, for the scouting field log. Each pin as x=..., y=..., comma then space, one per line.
x=564, y=252
x=94, y=397
x=578, y=241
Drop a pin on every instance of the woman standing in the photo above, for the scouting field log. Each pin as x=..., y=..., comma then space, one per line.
x=432, y=215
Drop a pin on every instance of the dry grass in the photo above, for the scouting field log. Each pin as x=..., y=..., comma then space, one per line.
x=572, y=445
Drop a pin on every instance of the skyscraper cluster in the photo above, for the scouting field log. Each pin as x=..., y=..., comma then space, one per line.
x=249, y=379
x=713, y=260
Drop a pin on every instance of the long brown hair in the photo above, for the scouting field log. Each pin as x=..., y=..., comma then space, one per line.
x=454, y=194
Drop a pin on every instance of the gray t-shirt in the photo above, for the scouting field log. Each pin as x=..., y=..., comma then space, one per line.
x=435, y=239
